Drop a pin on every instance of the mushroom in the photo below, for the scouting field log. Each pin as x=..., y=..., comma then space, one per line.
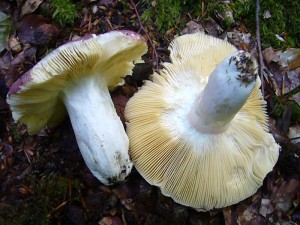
x=199, y=129
x=76, y=78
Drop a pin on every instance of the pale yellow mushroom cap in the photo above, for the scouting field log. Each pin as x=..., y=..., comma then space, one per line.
x=35, y=99
x=204, y=171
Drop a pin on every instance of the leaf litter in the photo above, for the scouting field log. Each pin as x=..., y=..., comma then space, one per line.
x=50, y=163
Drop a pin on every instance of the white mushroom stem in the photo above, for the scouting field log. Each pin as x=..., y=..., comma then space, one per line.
x=227, y=90
x=98, y=129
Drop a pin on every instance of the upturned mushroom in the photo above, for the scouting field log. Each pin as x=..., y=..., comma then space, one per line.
x=76, y=78
x=199, y=129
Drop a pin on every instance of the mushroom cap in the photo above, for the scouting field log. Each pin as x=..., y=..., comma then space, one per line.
x=35, y=97
x=204, y=171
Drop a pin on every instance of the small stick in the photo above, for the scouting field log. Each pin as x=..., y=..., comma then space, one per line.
x=202, y=13
x=123, y=218
x=57, y=208
x=109, y=23
x=261, y=61
x=146, y=33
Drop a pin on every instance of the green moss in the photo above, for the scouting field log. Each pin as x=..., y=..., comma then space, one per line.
x=166, y=13
x=15, y=132
x=280, y=104
x=63, y=12
x=5, y=28
x=228, y=22
x=48, y=192
x=174, y=13
x=284, y=21
x=295, y=115
x=277, y=106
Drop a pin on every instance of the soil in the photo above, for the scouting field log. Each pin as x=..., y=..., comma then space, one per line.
x=43, y=178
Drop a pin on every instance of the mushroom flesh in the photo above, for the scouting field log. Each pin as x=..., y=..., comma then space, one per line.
x=76, y=78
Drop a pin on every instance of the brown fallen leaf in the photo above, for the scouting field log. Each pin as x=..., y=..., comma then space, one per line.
x=246, y=212
x=270, y=55
x=20, y=64
x=29, y=6
x=286, y=192
x=110, y=221
x=284, y=68
x=284, y=81
x=105, y=2
x=192, y=27
x=36, y=30
x=266, y=207
x=140, y=72
x=14, y=44
x=291, y=80
x=239, y=39
x=290, y=59
x=212, y=28
x=285, y=199
x=296, y=98
x=6, y=155
x=250, y=216
x=278, y=134
x=120, y=101
x=5, y=60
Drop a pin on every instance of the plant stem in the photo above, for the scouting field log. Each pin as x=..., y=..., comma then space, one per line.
x=261, y=61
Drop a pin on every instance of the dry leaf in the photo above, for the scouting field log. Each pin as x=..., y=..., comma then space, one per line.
x=110, y=221
x=296, y=98
x=294, y=134
x=286, y=192
x=267, y=14
x=212, y=27
x=239, y=39
x=266, y=207
x=36, y=30
x=290, y=58
x=30, y=6
x=192, y=27
x=14, y=44
x=291, y=80
x=19, y=64
x=285, y=81
x=270, y=55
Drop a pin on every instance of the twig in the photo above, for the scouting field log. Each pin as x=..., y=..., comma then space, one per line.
x=146, y=33
x=123, y=218
x=261, y=61
x=109, y=24
x=57, y=208
x=202, y=6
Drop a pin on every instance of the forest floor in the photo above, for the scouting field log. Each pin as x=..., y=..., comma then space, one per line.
x=43, y=178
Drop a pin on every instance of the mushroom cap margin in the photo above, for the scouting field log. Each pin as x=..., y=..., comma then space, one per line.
x=35, y=97
x=204, y=171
